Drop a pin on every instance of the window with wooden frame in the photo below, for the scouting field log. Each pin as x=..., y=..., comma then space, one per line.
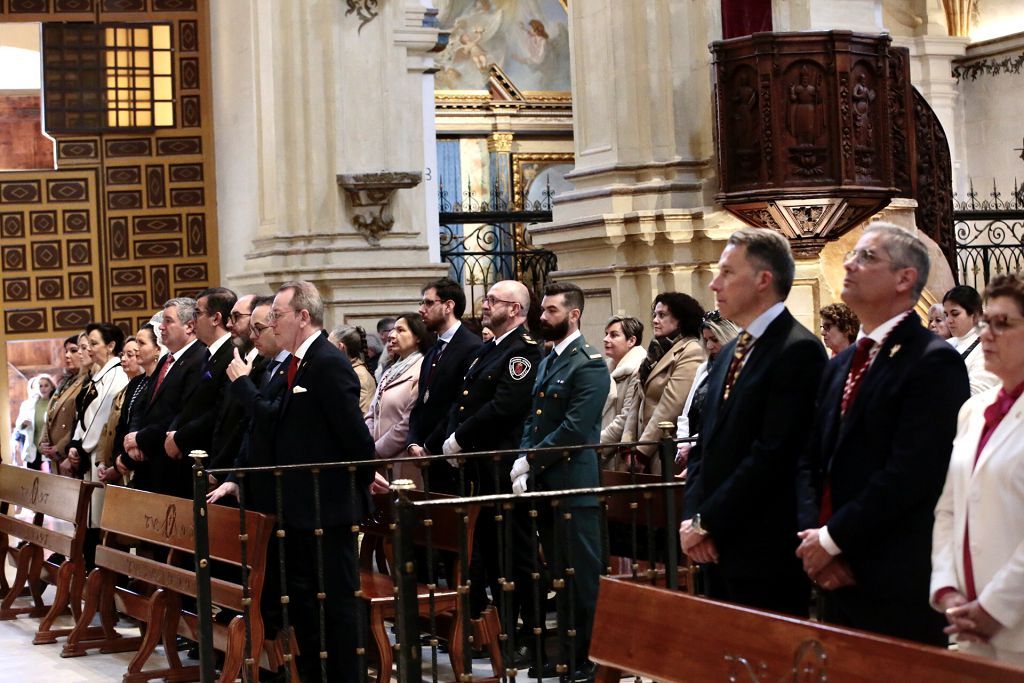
x=99, y=77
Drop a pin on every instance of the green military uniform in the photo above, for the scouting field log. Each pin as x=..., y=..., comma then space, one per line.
x=568, y=398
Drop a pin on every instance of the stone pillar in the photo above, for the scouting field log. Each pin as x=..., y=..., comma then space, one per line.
x=638, y=220
x=864, y=16
x=325, y=149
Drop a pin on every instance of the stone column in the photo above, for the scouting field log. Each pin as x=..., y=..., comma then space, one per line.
x=639, y=219
x=325, y=149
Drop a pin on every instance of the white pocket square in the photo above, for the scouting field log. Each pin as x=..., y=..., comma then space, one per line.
x=299, y=390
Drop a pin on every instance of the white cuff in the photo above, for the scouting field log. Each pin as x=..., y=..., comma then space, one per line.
x=519, y=483
x=451, y=446
x=825, y=539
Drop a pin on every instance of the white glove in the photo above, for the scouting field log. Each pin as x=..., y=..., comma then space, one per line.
x=520, y=474
x=451, y=446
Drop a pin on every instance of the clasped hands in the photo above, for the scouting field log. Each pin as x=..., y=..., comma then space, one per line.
x=698, y=547
x=825, y=570
x=967, y=619
x=520, y=474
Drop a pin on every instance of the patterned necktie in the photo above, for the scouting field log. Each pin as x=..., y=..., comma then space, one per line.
x=862, y=358
x=743, y=344
x=269, y=374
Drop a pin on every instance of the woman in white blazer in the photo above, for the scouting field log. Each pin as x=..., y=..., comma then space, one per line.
x=978, y=539
x=963, y=309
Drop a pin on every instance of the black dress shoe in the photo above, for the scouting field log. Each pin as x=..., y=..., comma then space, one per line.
x=584, y=674
x=549, y=670
x=523, y=657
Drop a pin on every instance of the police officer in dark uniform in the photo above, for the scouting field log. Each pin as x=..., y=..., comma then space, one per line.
x=487, y=415
x=568, y=398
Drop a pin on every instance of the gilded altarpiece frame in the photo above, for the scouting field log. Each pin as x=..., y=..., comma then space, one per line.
x=127, y=220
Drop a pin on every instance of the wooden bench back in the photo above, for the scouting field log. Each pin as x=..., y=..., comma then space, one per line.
x=444, y=526
x=619, y=503
x=51, y=494
x=668, y=636
x=167, y=521
x=48, y=495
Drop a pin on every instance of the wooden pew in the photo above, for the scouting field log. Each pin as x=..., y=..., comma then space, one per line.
x=57, y=502
x=647, y=509
x=151, y=521
x=675, y=638
x=377, y=587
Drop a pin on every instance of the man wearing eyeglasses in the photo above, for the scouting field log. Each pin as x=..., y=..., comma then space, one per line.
x=444, y=366
x=887, y=414
x=488, y=415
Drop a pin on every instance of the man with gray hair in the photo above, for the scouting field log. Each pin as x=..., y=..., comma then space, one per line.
x=739, y=509
x=178, y=374
x=876, y=465
x=319, y=421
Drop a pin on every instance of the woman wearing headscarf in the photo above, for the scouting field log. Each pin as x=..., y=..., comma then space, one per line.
x=388, y=416
x=665, y=376
x=32, y=420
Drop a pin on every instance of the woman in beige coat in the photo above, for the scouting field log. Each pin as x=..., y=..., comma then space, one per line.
x=662, y=382
x=352, y=341
x=388, y=415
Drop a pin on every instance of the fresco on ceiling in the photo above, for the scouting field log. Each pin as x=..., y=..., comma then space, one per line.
x=528, y=39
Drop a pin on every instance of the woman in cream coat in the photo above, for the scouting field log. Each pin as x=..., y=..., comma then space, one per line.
x=665, y=376
x=388, y=416
x=983, y=499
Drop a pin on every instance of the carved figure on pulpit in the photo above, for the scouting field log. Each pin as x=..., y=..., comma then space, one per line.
x=804, y=115
x=744, y=114
x=863, y=96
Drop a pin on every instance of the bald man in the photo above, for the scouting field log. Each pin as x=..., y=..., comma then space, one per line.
x=488, y=414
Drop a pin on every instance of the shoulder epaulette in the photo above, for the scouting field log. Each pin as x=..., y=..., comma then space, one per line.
x=528, y=339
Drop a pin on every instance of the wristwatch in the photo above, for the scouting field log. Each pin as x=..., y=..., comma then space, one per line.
x=697, y=528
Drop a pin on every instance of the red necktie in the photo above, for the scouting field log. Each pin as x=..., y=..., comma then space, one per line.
x=858, y=368
x=160, y=378
x=293, y=368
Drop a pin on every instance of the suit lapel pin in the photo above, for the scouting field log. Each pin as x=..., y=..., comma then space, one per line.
x=894, y=350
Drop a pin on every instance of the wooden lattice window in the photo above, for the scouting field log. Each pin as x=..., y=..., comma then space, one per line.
x=99, y=77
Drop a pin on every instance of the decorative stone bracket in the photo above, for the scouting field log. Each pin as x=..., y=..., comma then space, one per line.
x=370, y=196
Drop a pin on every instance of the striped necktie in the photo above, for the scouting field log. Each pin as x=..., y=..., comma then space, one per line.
x=743, y=344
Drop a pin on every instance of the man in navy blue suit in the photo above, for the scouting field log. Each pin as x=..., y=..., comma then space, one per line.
x=887, y=414
x=320, y=422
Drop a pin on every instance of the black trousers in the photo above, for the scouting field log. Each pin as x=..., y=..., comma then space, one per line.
x=858, y=608
x=788, y=593
x=343, y=631
x=575, y=543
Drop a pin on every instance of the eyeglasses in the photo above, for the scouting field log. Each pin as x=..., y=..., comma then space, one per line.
x=429, y=303
x=864, y=257
x=237, y=316
x=276, y=315
x=711, y=317
x=490, y=301
x=998, y=324
x=258, y=329
x=825, y=327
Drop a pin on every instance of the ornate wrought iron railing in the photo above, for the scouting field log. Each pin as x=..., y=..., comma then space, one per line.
x=989, y=234
x=485, y=239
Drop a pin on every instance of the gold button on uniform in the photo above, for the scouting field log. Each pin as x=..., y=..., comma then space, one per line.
x=539, y=411
x=540, y=394
x=465, y=392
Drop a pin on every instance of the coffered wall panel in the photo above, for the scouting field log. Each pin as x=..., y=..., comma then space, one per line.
x=128, y=218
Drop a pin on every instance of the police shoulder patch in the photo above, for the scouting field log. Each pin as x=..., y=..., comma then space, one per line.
x=519, y=367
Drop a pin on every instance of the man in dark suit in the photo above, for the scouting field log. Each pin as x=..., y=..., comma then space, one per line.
x=441, y=375
x=320, y=422
x=887, y=415
x=740, y=503
x=568, y=398
x=192, y=428
x=232, y=421
x=488, y=415
x=177, y=375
